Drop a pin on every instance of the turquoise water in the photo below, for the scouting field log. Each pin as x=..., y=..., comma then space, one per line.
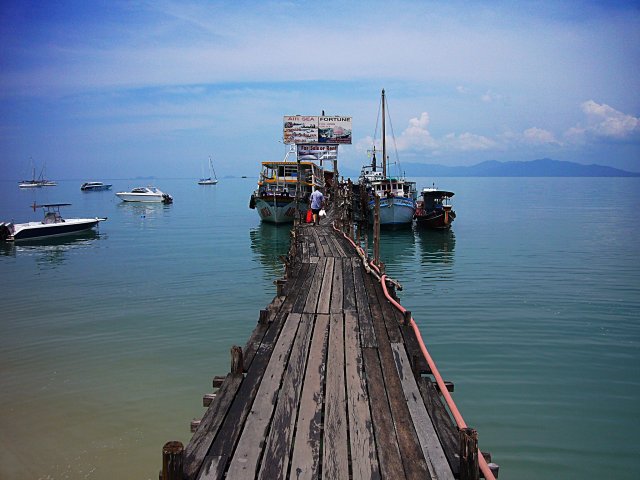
x=530, y=305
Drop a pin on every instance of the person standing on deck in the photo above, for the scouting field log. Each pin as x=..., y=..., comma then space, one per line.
x=317, y=200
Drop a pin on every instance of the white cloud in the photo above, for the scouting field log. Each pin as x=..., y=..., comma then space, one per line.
x=417, y=135
x=537, y=136
x=603, y=122
x=466, y=142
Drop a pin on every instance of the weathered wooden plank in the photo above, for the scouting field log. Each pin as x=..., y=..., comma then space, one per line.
x=385, y=435
x=303, y=289
x=337, y=246
x=213, y=467
x=245, y=459
x=427, y=436
x=364, y=459
x=275, y=459
x=442, y=421
x=198, y=446
x=324, y=297
x=367, y=334
x=337, y=291
x=382, y=308
x=335, y=460
x=414, y=462
x=305, y=461
x=349, y=294
x=314, y=288
x=418, y=362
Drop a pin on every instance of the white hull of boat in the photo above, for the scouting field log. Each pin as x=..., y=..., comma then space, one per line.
x=207, y=182
x=395, y=211
x=39, y=230
x=277, y=212
x=132, y=197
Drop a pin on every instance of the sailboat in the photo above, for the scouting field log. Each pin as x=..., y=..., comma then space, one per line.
x=397, y=195
x=212, y=179
x=37, y=182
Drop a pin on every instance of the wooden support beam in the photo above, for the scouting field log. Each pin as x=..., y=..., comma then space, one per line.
x=217, y=381
x=195, y=423
x=207, y=399
x=172, y=458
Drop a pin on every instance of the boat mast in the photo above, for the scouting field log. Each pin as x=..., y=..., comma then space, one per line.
x=384, y=142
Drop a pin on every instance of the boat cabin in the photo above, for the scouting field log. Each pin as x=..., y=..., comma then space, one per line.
x=434, y=199
x=52, y=212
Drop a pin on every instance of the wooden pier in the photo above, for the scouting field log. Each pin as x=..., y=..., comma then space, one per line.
x=332, y=384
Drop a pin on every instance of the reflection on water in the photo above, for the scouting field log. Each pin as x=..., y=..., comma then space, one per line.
x=436, y=246
x=51, y=252
x=269, y=242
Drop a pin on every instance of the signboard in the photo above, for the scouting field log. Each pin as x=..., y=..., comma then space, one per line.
x=317, y=152
x=300, y=129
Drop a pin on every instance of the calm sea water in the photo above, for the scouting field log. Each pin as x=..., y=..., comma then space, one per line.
x=530, y=305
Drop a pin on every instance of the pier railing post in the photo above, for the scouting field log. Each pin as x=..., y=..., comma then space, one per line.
x=172, y=458
x=237, y=361
x=469, y=465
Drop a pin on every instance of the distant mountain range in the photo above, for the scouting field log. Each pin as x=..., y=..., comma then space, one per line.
x=544, y=167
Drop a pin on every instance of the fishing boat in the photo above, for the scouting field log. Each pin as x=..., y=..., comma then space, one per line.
x=435, y=209
x=211, y=179
x=284, y=188
x=94, y=186
x=397, y=195
x=52, y=225
x=148, y=194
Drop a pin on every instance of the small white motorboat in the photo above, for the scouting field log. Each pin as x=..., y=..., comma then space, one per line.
x=53, y=225
x=145, y=194
x=94, y=186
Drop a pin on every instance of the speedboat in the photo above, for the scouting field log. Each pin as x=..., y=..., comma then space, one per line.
x=53, y=225
x=435, y=209
x=93, y=186
x=145, y=194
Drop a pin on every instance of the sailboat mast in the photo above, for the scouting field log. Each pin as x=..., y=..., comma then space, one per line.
x=384, y=141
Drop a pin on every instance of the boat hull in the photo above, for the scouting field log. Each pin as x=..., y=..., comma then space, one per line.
x=278, y=210
x=95, y=188
x=394, y=211
x=145, y=198
x=207, y=182
x=38, y=230
x=436, y=220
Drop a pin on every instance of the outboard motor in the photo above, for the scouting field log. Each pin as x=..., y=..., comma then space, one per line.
x=166, y=198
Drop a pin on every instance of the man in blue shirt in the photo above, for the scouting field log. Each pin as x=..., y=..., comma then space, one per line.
x=317, y=200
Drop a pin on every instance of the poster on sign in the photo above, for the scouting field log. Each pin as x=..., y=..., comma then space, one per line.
x=316, y=129
x=334, y=130
x=315, y=152
x=300, y=129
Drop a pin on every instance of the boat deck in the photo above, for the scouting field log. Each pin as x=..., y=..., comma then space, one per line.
x=331, y=384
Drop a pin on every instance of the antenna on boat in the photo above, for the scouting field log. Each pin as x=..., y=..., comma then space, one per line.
x=384, y=141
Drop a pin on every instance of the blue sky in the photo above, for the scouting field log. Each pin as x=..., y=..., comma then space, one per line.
x=114, y=89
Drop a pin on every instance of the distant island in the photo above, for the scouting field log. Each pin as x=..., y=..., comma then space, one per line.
x=544, y=167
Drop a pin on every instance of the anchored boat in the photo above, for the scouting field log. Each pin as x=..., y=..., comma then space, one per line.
x=397, y=195
x=435, y=209
x=211, y=179
x=53, y=225
x=94, y=186
x=145, y=194
x=284, y=188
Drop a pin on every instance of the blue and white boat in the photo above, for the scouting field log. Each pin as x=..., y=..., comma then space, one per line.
x=398, y=196
x=94, y=186
x=53, y=225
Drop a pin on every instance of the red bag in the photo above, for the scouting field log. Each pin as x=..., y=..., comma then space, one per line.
x=309, y=216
